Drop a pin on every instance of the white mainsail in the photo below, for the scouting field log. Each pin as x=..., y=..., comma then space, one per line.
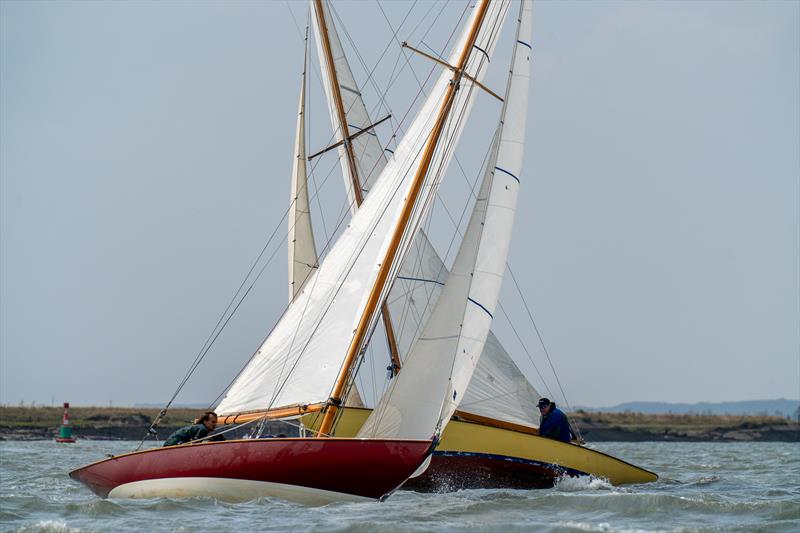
x=446, y=354
x=301, y=247
x=500, y=390
x=301, y=358
x=302, y=250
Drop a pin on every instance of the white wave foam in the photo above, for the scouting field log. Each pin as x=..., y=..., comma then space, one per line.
x=603, y=526
x=48, y=526
x=576, y=484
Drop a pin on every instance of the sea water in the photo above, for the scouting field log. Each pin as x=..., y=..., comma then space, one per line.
x=702, y=487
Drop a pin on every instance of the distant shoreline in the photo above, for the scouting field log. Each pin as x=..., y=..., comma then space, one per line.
x=131, y=423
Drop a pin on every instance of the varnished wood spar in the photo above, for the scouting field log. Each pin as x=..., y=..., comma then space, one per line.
x=493, y=422
x=405, y=215
x=337, y=98
x=281, y=412
x=351, y=160
x=451, y=67
x=357, y=134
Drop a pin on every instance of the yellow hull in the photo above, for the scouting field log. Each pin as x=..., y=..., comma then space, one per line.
x=472, y=455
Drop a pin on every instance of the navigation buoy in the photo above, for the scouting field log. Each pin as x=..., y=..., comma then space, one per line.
x=65, y=435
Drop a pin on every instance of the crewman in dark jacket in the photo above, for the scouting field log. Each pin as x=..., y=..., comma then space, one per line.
x=201, y=428
x=554, y=424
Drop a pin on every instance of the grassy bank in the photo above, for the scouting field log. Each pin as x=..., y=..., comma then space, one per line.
x=131, y=423
x=685, y=427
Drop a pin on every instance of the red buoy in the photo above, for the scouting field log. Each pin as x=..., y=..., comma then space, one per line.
x=65, y=435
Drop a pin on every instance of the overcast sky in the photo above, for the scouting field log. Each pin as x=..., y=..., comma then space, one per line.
x=145, y=151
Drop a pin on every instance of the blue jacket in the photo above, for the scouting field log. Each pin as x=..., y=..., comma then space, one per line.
x=555, y=425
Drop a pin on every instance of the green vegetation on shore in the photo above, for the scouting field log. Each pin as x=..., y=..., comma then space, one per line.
x=131, y=423
x=88, y=422
x=687, y=427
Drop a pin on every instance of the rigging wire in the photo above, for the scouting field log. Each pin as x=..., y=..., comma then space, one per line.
x=529, y=313
x=233, y=305
x=214, y=336
x=462, y=170
x=407, y=239
x=300, y=355
x=538, y=334
x=297, y=360
x=402, y=53
x=455, y=157
x=453, y=123
x=541, y=340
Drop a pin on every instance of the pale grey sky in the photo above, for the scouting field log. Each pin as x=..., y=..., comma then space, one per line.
x=145, y=151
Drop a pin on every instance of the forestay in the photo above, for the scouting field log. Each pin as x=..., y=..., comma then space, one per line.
x=301, y=358
x=444, y=357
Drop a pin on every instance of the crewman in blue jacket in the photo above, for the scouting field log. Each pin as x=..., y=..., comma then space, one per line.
x=554, y=424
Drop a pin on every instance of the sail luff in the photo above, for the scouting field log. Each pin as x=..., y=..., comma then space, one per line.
x=400, y=228
x=301, y=247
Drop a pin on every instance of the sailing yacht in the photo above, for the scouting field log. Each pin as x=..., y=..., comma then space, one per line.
x=307, y=363
x=492, y=438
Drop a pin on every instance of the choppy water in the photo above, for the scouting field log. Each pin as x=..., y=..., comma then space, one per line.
x=703, y=487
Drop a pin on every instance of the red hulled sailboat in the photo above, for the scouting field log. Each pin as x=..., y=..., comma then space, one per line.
x=311, y=355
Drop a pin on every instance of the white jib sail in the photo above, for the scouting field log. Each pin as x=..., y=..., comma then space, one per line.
x=437, y=371
x=498, y=388
x=299, y=361
x=302, y=250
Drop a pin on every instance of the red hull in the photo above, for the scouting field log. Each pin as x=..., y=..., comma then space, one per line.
x=65, y=440
x=364, y=468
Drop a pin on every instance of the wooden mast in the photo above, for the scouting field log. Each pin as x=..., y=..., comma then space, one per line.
x=351, y=160
x=383, y=273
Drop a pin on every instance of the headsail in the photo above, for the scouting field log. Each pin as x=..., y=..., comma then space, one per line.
x=441, y=363
x=302, y=356
x=498, y=388
x=302, y=250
